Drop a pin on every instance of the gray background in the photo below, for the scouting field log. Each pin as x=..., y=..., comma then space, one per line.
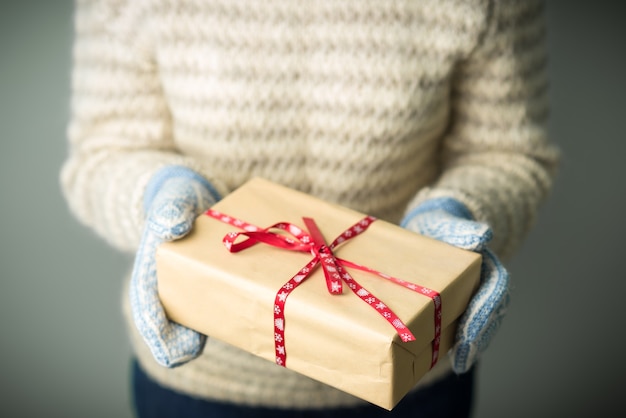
x=63, y=349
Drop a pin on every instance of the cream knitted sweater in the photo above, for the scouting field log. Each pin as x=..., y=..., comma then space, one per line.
x=375, y=105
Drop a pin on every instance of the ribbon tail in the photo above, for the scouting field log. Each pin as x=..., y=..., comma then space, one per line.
x=433, y=294
x=383, y=310
x=327, y=258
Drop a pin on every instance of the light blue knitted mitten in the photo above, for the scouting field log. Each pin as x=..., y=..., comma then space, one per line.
x=448, y=220
x=174, y=197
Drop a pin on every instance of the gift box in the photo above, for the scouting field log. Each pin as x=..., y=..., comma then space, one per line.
x=360, y=304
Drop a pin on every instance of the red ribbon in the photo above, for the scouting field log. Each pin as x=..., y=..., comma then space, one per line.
x=333, y=268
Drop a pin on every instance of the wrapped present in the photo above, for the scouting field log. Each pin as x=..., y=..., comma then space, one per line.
x=357, y=303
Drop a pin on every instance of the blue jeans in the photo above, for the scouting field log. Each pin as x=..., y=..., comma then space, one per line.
x=449, y=398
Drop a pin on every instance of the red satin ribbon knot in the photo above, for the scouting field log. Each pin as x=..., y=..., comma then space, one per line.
x=332, y=266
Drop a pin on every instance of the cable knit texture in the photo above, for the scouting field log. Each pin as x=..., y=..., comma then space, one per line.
x=375, y=105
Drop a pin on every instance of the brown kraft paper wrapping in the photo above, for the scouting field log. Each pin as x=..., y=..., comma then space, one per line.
x=336, y=339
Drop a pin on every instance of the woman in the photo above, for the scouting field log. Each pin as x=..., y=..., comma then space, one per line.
x=430, y=114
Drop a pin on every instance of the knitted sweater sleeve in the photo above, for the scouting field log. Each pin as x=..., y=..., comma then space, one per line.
x=496, y=157
x=120, y=128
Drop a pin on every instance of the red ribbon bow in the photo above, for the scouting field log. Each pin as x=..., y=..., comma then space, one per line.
x=332, y=266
